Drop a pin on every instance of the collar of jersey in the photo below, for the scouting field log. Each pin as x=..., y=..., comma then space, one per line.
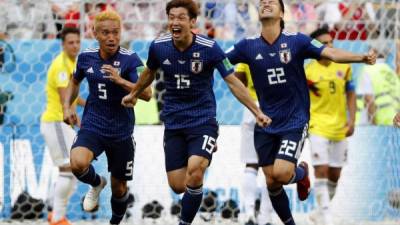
x=189, y=47
x=111, y=58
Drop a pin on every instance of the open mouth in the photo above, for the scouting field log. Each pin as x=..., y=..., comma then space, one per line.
x=176, y=31
x=267, y=10
x=111, y=45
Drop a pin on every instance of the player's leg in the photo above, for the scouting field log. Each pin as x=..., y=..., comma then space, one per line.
x=201, y=143
x=320, y=160
x=266, y=209
x=87, y=147
x=120, y=156
x=337, y=159
x=267, y=146
x=59, y=137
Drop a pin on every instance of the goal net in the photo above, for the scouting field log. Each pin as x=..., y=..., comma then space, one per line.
x=368, y=192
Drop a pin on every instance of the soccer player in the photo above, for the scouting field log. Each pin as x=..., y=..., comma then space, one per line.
x=189, y=114
x=248, y=156
x=276, y=61
x=333, y=111
x=111, y=72
x=59, y=136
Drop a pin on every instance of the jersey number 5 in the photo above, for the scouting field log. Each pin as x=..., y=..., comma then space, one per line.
x=276, y=76
x=102, y=91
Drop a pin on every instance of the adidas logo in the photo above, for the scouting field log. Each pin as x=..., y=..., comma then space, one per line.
x=90, y=70
x=167, y=62
x=272, y=54
x=259, y=57
x=182, y=62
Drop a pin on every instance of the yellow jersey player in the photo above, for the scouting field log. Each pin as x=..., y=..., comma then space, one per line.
x=248, y=156
x=333, y=108
x=59, y=136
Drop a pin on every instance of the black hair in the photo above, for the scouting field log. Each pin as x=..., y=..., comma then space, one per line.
x=283, y=11
x=318, y=32
x=190, y=5
x=69, y=30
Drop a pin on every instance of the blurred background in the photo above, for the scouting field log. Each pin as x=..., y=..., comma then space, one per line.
x=369, y=191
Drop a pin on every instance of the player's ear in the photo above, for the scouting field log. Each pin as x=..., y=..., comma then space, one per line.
x=193, y=22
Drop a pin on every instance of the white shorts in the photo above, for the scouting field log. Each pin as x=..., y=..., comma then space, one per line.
x=59, y=138
x=248, y=152
x=327, y=152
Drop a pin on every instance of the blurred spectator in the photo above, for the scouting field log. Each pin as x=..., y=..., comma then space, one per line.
x=378, y=91
x=357, y=21
x=27, y=20
x=328, y=13
x=65, y=13
x=304, y=16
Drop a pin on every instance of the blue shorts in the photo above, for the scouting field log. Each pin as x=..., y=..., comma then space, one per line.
x=180, y=144
x=120, y=154
x=287, y=146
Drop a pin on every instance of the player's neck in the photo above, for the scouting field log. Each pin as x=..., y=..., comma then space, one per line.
x=324, y=62
x=106, y=55
x=271, y=29
x=185, y=43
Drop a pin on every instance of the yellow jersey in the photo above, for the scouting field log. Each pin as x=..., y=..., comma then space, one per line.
x=58, y=76
x=244, y=68
x=329, y=101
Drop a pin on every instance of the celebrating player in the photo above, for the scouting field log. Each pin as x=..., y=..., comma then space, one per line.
x=276, y=61
x=111, y=72
x=248, y=156
x=333, y=111
x=58, y=135
x=189, y=112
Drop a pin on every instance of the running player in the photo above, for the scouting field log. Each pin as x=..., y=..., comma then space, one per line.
x=333, y=111
x=276, y=61
x=111, y=72
x=189, y=114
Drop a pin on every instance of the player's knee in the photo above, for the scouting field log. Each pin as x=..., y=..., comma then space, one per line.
x=79, y=165
x=119, y=189
x=195, y=176
x=177, y=188
x=282, y=176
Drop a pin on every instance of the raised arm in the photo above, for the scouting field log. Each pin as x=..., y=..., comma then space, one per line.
x=341, y=56
x=242, y=94
x=141, y=87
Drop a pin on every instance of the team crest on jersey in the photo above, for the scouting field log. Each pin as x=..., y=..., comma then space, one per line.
x=339, y=74
x=196, y=66
x=285, y=56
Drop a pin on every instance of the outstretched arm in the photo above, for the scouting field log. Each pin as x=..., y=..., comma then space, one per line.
x=341, y=56
x=142, y=85
x=242, y=94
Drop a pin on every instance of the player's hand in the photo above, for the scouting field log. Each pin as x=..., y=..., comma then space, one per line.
x=70, y=116
x=370, y=58
x=263, y=120
x=350, y=128
x=396, y=120
x=129, y=100
x=111, y=73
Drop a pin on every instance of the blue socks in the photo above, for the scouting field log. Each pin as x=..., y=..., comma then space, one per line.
x=191, y=201
x=299, y=174
x=280, y=203
x=89, y=177
x=118, y=207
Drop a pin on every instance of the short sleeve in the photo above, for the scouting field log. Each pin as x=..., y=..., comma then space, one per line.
x=61, y=78
x=152, y=60
x=222, y=63
x=236, y=53
x=241, y=68
x=135, y=68
x=310, y=48
x=79, y=73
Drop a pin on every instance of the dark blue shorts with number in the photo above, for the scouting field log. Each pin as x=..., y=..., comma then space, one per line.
x=120, y=153
x=180, y=144
x=286, y=146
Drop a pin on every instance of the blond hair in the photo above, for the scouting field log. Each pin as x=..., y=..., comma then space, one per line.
x=106, y=15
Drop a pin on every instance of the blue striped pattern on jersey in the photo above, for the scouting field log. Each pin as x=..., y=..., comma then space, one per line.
x=103, y=113
x=189, y=99
x=278, y=74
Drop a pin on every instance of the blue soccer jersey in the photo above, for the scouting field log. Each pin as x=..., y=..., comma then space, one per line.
x=278, y=74
x=103, y=113
x=189, y=99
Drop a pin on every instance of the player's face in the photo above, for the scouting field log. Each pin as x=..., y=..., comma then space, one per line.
x=108, y=34
x=270, y=9
x=326, y=39
x=72, y=45
x=180, y=24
